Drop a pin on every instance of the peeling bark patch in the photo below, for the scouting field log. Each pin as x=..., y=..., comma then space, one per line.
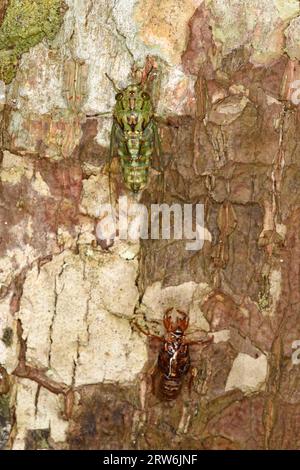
x=165, y=25
x=104, y=302
x=247, y=374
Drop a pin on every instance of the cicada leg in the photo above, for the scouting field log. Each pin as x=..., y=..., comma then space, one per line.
x=204, y=342
x=146, y=333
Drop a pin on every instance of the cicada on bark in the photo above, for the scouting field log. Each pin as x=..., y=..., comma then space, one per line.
x=174, y=361
x=134, y=134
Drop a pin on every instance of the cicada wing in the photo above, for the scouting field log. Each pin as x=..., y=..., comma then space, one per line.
x=112, y=149
x=157, y=159
x=113, y=143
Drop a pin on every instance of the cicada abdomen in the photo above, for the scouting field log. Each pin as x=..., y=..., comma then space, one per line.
x=134, y=136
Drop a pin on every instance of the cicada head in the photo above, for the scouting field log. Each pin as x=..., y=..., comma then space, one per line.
x=177, y=325
x=133, y=110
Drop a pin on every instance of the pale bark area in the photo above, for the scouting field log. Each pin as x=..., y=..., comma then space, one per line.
x=74, y=370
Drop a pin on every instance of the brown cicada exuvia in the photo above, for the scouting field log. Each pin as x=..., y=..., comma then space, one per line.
x=173, y=362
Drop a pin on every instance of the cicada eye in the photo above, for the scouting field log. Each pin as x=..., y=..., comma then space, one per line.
x=145, y=96
x=119, y=96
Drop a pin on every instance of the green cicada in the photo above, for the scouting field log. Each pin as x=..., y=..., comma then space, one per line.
x=134, y=136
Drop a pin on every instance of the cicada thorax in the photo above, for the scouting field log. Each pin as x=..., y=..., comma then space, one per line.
x=134, y=135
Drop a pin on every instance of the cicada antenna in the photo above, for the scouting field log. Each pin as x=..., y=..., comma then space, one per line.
x=113, y=83
x=146, y=74
x=150, y=71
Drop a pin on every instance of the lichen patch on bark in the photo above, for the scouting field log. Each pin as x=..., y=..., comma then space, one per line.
x=24, y=25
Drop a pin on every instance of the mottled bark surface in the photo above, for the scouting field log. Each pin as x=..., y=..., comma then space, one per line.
x=74, y=371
